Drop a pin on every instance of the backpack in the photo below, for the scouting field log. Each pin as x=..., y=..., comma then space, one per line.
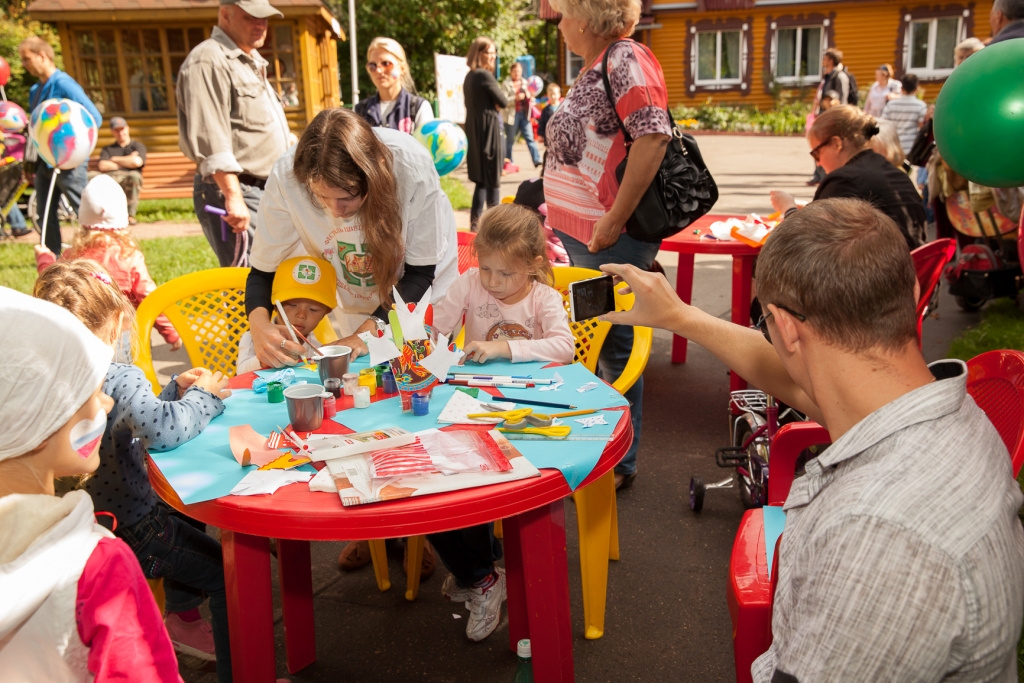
x=853, y=97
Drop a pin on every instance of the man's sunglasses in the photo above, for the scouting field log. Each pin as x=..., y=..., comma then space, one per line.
x=374, y=66
x=762, y=322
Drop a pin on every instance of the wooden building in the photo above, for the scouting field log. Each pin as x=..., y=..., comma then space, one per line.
x=127, y=53
x=748, y=51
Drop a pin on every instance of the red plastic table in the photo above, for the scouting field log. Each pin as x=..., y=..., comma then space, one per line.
x=536, y=566
x=688, y=243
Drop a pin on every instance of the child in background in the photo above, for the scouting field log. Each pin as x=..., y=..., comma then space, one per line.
x=509, y=309
x=554, y=99
x=166, y=545
x=14, y=147
x=73, y=604
x=306, y=288
x=104, y=237
x=510, y=312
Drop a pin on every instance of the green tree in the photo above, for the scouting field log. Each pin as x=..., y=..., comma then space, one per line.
x=423, y=28
x=16, y=26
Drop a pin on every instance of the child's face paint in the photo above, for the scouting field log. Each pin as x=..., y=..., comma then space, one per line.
x=85, y=436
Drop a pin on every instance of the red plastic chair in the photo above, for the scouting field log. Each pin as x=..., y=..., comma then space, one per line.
x=996, y=382
x=466, y=258
x=929, y=261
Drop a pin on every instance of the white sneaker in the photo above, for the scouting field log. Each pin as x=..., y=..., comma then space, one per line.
x=451, y=590
x=485, y=608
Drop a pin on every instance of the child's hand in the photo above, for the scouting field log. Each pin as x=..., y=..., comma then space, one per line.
x=40, y=249
x=213, y=382
x=481, y=352
x=187, y=379
x=176, y=346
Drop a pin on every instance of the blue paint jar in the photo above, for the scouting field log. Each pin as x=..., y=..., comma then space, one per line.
x=420, y=403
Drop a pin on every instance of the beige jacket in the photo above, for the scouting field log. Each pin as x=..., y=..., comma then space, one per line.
x=508, y=114
x=230, y=118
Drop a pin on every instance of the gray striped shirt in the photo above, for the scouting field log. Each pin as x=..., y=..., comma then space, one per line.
x=907, y=112
x=903, y=556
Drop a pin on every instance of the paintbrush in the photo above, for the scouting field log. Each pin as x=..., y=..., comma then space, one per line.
x=317, y=349
x=291, y=330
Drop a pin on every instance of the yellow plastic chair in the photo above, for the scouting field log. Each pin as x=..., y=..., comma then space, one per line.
x=596, y=512
x=207, y=308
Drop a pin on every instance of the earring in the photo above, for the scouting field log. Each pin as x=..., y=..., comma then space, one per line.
x=581, y=29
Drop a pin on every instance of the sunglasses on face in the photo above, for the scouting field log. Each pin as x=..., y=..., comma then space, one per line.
x=762, y=322
x=816, y=152
x=375, y=66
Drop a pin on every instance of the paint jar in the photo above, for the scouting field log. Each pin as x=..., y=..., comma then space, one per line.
x=275, y=392
x=379, y=371
x=420, y=403
x=362, y=396
x=333, y=385
x=349, y=382
x=389, y=383
x=368, y=380
x=330, y=407
x=406, y=401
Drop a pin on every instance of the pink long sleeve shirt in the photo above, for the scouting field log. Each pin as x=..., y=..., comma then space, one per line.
x=536, y=328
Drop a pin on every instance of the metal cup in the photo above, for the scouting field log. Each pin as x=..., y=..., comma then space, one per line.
x=334, y=362
x=305, y=406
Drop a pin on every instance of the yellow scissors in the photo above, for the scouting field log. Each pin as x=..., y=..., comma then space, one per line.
x=517, y=415
x=557, y=432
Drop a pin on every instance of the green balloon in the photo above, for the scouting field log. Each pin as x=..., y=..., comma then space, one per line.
x=979, y=116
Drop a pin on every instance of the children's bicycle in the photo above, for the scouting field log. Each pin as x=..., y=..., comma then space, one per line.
x=752, y=432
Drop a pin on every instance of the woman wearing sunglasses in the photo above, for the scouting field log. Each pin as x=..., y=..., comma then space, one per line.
x=840, y=142
x=396, y=104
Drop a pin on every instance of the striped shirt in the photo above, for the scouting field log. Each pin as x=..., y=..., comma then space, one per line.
x=903, y=556
x=907, y=112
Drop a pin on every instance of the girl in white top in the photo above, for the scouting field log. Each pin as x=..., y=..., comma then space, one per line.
x=367, y=200
x=882, y=90
x=509, y=310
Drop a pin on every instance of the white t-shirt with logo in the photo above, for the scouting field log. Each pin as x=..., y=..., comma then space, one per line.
x=288, y=223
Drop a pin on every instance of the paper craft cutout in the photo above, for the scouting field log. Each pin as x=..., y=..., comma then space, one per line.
x=554, y=385
x=412, y=322
x=381, y=349
x=587, y=387
x=592, y=420
x=250, y=447
x=266, y=482
x=323, y=482
x=461, y=404
x=441, y=359
x=286, y=462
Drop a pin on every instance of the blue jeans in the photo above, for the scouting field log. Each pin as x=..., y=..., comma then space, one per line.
x=469, y=554
x=522, y=125
x=619, y=342
x=190, y=562
x=204, y=193
x=16, y=219
x=70, y=184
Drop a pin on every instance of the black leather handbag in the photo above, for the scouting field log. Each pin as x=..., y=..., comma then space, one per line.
x=682, y=190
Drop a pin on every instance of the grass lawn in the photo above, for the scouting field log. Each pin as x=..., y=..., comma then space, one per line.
x=166, y=257
x=1001, y=327
x=182, y=210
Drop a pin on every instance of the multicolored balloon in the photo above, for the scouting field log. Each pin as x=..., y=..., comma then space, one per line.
x=13, y=118
x=64, y=132
x=446, y=142
x=5, y=72
x=534, y=85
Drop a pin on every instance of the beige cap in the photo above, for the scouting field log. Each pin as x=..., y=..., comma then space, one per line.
x=261, y=9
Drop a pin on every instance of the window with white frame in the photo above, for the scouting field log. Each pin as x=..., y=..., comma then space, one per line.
x=573, y=66
x=798, y=54
x=718, y=57
x=931, y=43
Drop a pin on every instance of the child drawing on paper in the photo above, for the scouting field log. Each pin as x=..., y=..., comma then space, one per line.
x=167, y=546
x=60, y=571
x=305, y=286
x=510, y=311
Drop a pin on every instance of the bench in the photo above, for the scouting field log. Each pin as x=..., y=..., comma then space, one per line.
x=166, y=175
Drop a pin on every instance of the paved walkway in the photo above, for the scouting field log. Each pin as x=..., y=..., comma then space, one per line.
x=667, y=617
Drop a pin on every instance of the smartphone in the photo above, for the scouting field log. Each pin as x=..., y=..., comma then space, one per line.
x=591, y=298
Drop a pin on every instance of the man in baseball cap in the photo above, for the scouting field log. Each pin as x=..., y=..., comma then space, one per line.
x=260, y=9
x=123, y=161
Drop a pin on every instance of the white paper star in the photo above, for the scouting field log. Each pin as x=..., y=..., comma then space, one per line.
x=441, y=359
x=591, y=421
x=382, y=349
x=411, y=322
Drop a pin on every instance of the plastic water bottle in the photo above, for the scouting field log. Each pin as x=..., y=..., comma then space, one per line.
x=524, y=672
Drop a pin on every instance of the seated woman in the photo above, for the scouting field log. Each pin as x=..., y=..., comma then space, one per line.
x=840, y=142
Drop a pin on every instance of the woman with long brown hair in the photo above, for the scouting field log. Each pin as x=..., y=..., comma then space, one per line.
x=484, y=102
x=369, y=201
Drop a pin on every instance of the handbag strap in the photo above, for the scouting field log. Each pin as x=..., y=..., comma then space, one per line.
x=608, y=88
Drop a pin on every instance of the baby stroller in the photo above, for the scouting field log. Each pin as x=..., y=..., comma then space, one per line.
x=989, y=268
x=13, y=184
